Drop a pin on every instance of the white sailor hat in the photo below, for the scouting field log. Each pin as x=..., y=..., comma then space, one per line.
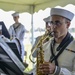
x=62, y=12
x=15, y=14
x=47, y=19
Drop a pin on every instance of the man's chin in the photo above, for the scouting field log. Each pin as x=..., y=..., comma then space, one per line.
x=56, y=36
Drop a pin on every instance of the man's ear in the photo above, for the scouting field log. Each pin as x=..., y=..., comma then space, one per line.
x=18, y=16
x=68, y=24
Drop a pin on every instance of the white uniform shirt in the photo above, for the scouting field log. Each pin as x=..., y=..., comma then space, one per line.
x=19, y=33
x=65, y=60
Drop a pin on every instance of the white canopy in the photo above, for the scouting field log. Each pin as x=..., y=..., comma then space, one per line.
x=31, y=6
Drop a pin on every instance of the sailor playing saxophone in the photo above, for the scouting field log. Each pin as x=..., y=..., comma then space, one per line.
x=59, y=52
x=48, y=29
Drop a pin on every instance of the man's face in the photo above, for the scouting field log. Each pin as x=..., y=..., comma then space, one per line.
x=48, y=27
x=59, y=26
x=16, y=18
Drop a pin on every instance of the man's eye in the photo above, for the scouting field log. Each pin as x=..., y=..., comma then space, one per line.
x=51, y=22
x=57, y=22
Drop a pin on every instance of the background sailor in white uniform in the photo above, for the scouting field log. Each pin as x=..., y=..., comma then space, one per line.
x=48, y=30
x=35, y=48
x=17, y=30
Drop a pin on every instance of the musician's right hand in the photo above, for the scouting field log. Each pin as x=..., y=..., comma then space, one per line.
x=47, y=68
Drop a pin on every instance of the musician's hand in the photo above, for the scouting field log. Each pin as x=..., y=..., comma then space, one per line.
x=47, y=68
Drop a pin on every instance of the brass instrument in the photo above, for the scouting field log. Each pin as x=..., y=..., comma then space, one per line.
x=40, y=53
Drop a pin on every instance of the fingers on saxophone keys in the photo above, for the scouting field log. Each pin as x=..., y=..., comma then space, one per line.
x=41, y=68
x=44, y=71
x=44, y=68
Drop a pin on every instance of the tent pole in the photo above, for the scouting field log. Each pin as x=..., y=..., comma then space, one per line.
x=32, y=29
x=32, y=25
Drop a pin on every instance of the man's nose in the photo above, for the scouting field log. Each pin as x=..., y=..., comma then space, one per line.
x=54, y=26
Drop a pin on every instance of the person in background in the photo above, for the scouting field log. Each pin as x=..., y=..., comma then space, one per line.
x=59, y=52
x=17, y=30
x=34, y=50
x=48, y=30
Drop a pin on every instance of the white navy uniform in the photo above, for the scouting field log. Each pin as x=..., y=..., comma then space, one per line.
x=19, y=33
x=36, y=42
x=66, y=60
x=66, y=64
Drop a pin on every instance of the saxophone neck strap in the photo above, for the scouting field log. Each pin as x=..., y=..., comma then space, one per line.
x=65, y=42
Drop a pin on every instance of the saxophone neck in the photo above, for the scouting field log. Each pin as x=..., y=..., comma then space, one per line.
x=46, y=32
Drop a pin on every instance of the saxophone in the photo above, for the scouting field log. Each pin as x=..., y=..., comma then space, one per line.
x=40, y=53
x=40, y=57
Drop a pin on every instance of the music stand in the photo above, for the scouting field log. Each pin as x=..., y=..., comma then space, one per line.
x=4, y=30
x=10, y=63
x=13, y=47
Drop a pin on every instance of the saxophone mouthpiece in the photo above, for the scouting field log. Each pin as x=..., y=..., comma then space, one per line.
x=51, y=33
